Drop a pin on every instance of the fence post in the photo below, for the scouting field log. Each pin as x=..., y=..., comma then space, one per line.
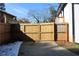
x=40, y=31
x=68, y=32
x=24, y=28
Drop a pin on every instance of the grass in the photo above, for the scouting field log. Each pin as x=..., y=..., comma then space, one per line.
x=73, y=47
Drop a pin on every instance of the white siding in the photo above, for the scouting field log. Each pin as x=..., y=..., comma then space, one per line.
x=60, y=18
x=76, y=14
x=68, y=18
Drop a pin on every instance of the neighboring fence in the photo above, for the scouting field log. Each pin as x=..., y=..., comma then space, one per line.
x=8, y=32
x=42, y=31
x=46, y=31
x=4, y=33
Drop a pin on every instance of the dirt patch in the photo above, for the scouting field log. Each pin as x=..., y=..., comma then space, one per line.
x=73, y=47
x=65, y=44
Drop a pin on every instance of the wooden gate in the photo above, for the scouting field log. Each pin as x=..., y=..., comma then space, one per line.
x=62, y=32
x=42, y=31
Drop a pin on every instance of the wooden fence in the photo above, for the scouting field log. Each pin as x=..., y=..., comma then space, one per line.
x=8, y=33
x=35, y=32
x=4, y=33
x=46, y=31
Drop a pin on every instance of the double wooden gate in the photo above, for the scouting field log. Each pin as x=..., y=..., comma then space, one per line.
x=42, y=31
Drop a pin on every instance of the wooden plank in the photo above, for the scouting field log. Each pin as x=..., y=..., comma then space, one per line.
x=47, y=28
x=32, y=28
x=47, y=36
x=62, y=36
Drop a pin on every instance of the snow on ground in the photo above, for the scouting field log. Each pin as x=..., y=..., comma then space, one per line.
x=11, y=49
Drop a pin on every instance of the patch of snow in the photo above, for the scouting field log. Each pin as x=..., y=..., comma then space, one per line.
x=11, y=49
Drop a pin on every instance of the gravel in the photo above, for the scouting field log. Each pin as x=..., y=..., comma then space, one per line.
x=11, y=49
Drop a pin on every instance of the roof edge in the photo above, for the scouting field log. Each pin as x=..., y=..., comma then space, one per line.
x=7, y=13
x=61, y=7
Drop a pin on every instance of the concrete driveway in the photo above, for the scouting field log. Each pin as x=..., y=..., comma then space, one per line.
x=44, y=48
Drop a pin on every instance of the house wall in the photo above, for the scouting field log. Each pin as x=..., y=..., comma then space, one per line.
x=76, y=18
x=60, y=18
x=68, y=18
x=9, y=19
x=1, y=18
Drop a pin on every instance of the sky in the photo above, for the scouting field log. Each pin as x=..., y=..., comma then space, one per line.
x=20, y=10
